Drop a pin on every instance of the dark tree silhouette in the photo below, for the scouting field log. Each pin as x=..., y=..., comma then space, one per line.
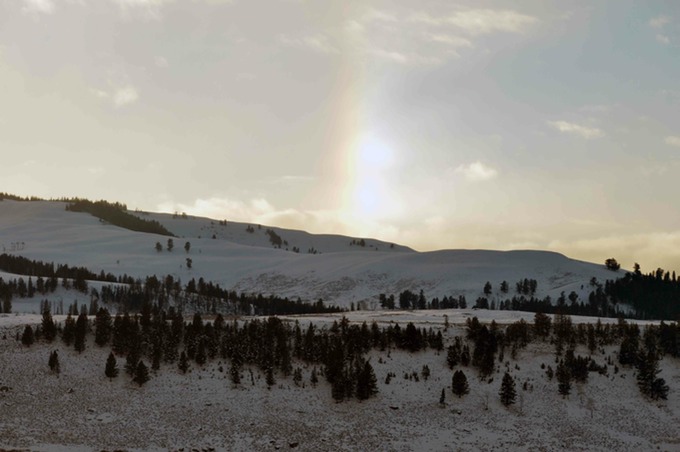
x=141, y=374
x=507, y=392
x=459, y=384
x=28, y=337
x=54, y=362
x=111, y=369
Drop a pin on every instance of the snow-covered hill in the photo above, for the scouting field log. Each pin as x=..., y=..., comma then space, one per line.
x=341, y=272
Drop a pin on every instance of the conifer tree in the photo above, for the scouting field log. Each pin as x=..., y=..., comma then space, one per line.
x=69, y=330
x=80, y=332
x=271, y=381
x=367, y=383
x=54, y=362
x=131, y=362
x=183, y=364
x=103, y=327
x=313, y=378
x=459, y=384
x=648, y=369
x=111, y=369
x=28, y=337
x=49, y=328
x=507, y=392
x=442, y=398
x=563, y=379
x=141, y=374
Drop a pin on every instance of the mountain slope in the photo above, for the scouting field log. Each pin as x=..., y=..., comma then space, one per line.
x=339, y=273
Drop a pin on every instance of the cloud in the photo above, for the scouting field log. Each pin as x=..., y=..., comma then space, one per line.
x=486, y=21
x=125, y=96
x=673, y=141
x=575, y=129
x=425, y=38
x=659, y=22
x=663, y=39
x=148, y=9
x=477, y=171
x=38, y=6
x=318, y=43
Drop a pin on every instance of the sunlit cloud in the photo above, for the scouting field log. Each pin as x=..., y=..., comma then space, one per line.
x=38, y=6
x=659, y=22
x=318, y=43
x=673, y=141
x=125, y=96
x=477, y=171
x=422, y=38
x=576, y=129
x=663, y=39
x=485, y=21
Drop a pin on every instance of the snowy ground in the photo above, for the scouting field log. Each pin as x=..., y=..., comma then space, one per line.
x=81, y=410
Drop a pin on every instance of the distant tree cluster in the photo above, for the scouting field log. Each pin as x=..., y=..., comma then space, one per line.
x=116, y=214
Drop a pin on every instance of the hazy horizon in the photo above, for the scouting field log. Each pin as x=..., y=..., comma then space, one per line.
x=541, y=125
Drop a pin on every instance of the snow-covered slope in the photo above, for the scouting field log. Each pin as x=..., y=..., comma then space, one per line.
x=339, y=273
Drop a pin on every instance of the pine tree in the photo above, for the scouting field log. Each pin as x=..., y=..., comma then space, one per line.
x=69, y=330
x=103, y=327
x=131, y=362
x=28, y=337
x=54, y=362
x=271, y=381
x=459, y=384
x=442, y=398
x=648, y=369
x=49, y=328
x=183, y=364
x=563, y=379
x=367, y=383
x=111, y=369
x=141, y=374
x=80, y=332
x=313, y=378
x=507, y=392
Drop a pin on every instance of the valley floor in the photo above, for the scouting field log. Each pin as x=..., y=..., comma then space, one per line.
x=80, y=409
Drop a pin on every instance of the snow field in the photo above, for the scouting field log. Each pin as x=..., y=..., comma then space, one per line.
x=81, y=410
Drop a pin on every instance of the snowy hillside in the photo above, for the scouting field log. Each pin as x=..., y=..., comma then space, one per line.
x=340, y=272
x=80, y=409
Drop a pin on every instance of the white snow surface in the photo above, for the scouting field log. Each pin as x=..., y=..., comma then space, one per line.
x=235, y=259
x=80, y=409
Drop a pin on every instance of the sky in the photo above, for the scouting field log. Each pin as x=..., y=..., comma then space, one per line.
x=434, y=124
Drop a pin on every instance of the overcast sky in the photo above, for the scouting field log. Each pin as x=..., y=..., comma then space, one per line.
x=435, y=124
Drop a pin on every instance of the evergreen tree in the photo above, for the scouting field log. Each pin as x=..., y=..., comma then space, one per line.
x=103, y=327
x=507, y=392
x=563, y=379
x=28, y=337
x=183, y=364
x=367, y=383
x=54, y=362
x=269, y=378
x=459, y=384
x=442, y=398
x=49, y=328
x=131, y=362
x=648, y=369
x=141, y=374
x=313, y=378
x=111, y=369
x=69, y=330
x=200, y=357
x=80, y=332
